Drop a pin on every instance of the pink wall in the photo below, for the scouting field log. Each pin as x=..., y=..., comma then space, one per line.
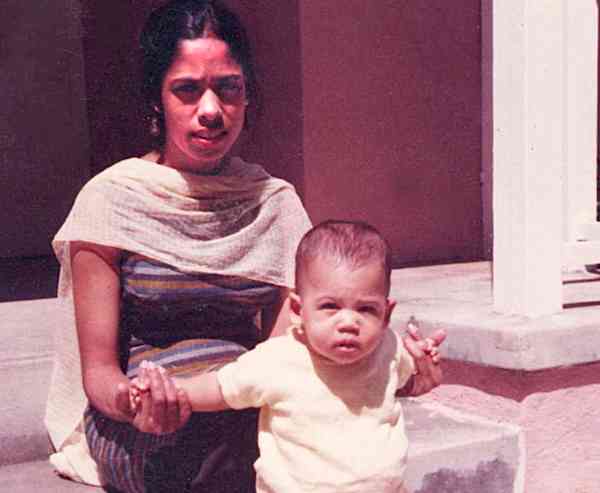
x=43, y=135
x=392, y=121
x=557, y=410
x=115, y=106
x=371, y=109
x=275, y=134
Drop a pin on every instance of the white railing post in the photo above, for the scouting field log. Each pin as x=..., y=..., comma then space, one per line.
x=529, y=152
x=581, y=129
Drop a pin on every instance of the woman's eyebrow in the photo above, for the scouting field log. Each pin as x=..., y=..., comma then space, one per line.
x=224, y=77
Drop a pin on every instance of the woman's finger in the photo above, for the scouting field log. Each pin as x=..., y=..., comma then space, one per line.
x=185, y=408
x=158, y=399
x=171, y=404
x=122, y=401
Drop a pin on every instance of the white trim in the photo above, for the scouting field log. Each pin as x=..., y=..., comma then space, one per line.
x=528, y=155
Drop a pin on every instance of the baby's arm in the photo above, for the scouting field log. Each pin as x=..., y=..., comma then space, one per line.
x=203, y=391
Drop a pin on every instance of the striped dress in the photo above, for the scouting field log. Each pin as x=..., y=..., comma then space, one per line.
x=187, y=324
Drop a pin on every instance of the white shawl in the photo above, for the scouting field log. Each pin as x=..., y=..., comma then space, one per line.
x=241, y=222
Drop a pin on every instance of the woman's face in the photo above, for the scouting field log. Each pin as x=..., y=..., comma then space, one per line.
x=204, y=103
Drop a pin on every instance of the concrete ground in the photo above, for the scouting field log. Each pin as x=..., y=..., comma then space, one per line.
x=458, y=298
x=540, y=374
x=451, y=452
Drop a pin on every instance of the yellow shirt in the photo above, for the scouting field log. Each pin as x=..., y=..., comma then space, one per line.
x=323, y=427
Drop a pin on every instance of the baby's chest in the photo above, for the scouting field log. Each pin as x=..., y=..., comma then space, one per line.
x=305, y=400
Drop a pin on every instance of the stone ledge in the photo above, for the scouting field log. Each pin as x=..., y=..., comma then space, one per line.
x=25, y=370
x=458, y=298
x=470, y=449
x=38, y=477
x=453, y=452
x=450, y=452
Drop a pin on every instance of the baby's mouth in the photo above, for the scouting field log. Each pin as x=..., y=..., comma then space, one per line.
x=347, y=346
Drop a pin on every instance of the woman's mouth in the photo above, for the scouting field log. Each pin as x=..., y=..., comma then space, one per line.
x=208, y=137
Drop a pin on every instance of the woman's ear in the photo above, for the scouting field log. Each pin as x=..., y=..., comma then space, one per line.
x=295, y=308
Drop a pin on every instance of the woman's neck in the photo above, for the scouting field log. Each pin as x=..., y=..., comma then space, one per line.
x=158, y=157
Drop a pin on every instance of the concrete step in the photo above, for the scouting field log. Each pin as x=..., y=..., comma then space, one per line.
x=454, y=452
x=25, y=370
x=38, y=477
x=450, y=452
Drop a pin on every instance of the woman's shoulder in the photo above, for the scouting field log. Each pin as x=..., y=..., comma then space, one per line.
x=125, y=166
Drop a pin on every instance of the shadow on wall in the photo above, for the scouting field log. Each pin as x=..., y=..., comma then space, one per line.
x=28, y=278
x=489, y=477
x=518, y=385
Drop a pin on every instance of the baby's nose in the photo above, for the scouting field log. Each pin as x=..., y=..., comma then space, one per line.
x=349, y=321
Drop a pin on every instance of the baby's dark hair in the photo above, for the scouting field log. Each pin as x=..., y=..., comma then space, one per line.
x=350, y=242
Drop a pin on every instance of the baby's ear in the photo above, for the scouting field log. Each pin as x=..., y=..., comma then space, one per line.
x=391, y=304
x=295, y=308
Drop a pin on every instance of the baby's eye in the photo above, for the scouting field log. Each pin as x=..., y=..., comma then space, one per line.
x=368, y=309
x=327, y=306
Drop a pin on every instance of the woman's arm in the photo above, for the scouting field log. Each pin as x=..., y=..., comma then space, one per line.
x=275, y=319
x=96, y=291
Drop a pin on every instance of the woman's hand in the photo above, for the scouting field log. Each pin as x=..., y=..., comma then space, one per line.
x=425, y=353
x=156, y=405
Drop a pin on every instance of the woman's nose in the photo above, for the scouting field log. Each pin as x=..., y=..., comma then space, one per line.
x=209, y=109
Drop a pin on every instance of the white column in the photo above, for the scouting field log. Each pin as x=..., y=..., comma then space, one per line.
x=581, y=133
x=529, y=152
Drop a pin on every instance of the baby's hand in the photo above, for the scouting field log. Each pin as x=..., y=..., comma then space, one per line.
x=429, y=345
x=425, y=352
x=141, y=384
x=159, y=407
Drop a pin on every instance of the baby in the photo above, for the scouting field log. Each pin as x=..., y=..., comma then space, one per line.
x=331, y=419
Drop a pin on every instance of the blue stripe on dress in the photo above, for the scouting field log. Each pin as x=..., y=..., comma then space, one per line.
x=151, y=292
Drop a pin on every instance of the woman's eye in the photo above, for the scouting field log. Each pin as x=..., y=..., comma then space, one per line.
x=186, y=88
x=231, y=91
x=187, y=93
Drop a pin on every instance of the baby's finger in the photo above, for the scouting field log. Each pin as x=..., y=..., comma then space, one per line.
x=429, y=344
x=412, y=330
x=438, y=337
x=414, y=347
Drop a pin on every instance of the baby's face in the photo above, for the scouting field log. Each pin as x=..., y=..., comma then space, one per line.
x=344, y=311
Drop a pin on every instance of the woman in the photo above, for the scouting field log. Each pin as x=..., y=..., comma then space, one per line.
x=182, y=257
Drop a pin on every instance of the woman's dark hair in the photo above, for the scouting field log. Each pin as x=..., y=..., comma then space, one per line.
x=179, y=20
